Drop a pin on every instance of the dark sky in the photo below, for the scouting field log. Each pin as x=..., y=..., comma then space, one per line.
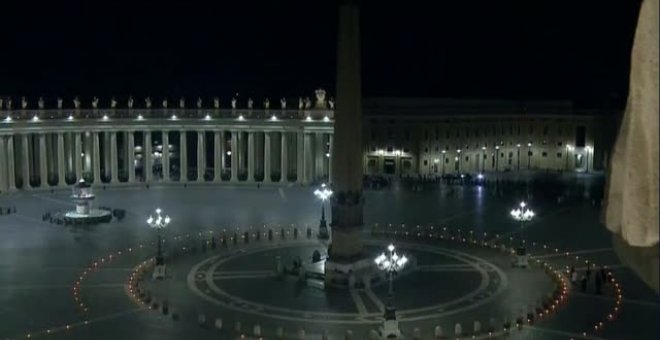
x=541, y=49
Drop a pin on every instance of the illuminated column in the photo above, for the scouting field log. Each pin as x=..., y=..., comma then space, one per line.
x=267, y=156
x=43, y=165
x=284, y=158
x=234, y=156
x=183, y=157
x=319, y=155
x=148, y=155
x=250, y=160
x=96, y=161
x=217, y=157
x=201, y=164
x=165, y=157
x=26, y=161
x=330, y=151
x=3, y=165
x=300, y=158
x=114, y=166
x=130, y=160
x=11, y=164
x=223, y=152
x=107, y=162
x=61, y=157
x=308, y=154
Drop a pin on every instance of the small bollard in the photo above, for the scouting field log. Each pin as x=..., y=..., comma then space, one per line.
x=218, y=323
x=437, y=333
x=349, y=335
x=477, y=328
x=458, y=330
x=201, y=320
x=416, y=334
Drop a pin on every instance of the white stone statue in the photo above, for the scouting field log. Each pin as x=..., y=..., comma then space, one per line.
x=199, y=102
x=283, y=103
x=233, y=103
x=130, y=102
x=300, y=103
x=308, y=103
x=147, y=102
x=95, y=103
x=250, y=103
x=9, y=103
x=60, y=102
x=266, y=104
x=320, y=98
x=76, y=103
x=24, y=103
x=331, y=103
x=40, y=103
x=165, y=103
x=216, y=102
x=113, y=103
x=182, y=103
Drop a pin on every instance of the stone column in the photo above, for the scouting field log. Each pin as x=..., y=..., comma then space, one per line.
x=217, y=157
x=43, y=165
x=183, y=157
x=234, y=156
x=250, y=160
x=148, y=157
x=267, y=173
x=3, y=165
x=107, y=161
x=284, y=158
x=308, y=155
x=114, y=165
x=61, y=157
x=25, y=160
x=165, y=160
x=11, y=164
x=300, y=158
x=330, y=142
x=77, y=155
x=319, y=155
x=96, y=161
x=201, y=164
x=130, y=160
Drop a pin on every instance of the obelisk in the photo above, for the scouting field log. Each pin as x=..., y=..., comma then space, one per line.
x=347, y=202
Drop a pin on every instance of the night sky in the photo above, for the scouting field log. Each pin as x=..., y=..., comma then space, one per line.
x=560, y=49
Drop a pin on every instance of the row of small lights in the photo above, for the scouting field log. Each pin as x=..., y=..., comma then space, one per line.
x=173, y=117
x=133, y=278
x=598, y=326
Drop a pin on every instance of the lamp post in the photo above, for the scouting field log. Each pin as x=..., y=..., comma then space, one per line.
x=589, y=149
x=529, y=155
x=518, y=160
x=443, y=161
x=460, y=168
x=390, y=263
x=159, y=222
x=483, y=159
x=323, y=193
x=497, y=158
x=522, y=214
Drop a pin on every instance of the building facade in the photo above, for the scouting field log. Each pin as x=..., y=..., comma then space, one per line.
x=411, y=137
x=54, y=148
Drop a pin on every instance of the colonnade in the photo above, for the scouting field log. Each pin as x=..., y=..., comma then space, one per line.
x=43, y=159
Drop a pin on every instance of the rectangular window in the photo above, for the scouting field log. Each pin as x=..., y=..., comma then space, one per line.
x=426, y=162
x=530, y=153
x=467, y=158
x=559, y=143
x=510, y=154
x=544, y=154
x=558, y=154
x=426, y=150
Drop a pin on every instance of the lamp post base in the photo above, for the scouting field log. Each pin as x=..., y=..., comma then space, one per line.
x=521, y=259
x=390, y=328
x=323, y=230
x=159, y=269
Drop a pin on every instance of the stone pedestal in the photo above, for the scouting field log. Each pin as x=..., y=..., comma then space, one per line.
x=521, y=259
x=390, y=328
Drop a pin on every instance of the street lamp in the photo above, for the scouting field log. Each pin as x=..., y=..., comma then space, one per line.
x=522, y=214
x=390, y=263
x=497, y=158
x=443, y=161
x=529, y=155
x=483, y=159
x=323, y=193
x=159, y=222
x=458, y=152
x=518, y=161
